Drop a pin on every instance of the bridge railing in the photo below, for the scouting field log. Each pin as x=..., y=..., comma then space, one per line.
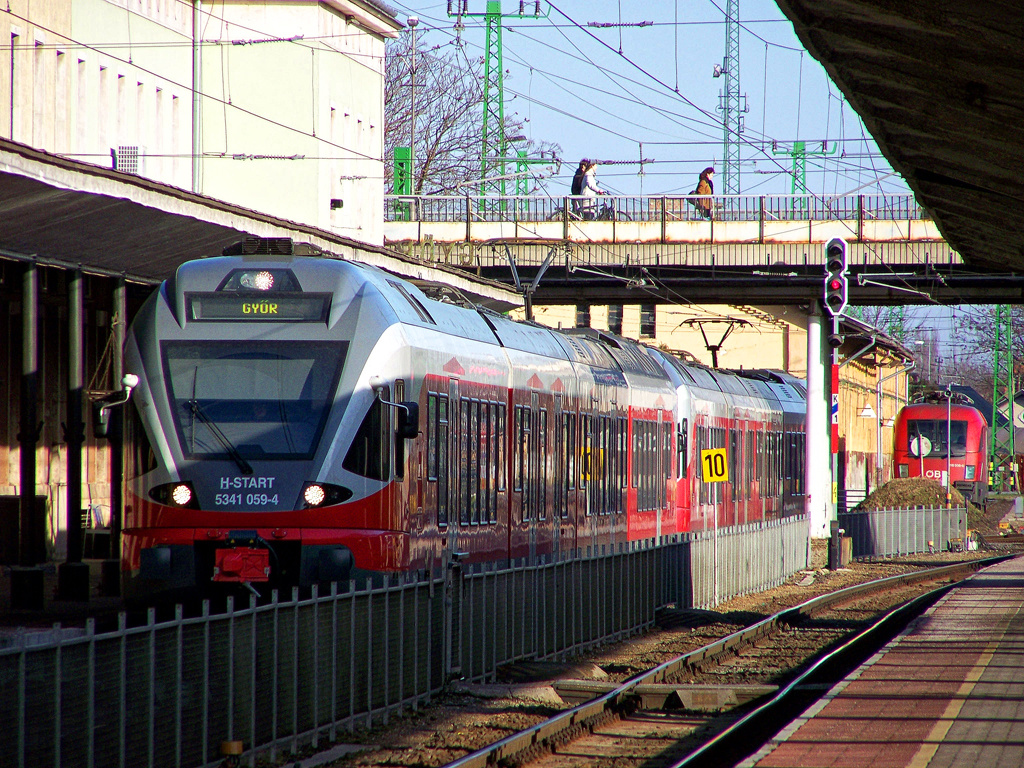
x=652, y=208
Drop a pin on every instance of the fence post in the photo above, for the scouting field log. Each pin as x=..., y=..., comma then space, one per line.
x=760, y=219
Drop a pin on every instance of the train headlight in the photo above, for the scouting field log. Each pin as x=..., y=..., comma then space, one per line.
x=257, y=281
x=314, y=495
x=323, y=495
x=180, y=494
x=969, y=472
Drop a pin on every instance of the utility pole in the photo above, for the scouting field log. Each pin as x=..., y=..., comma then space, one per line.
x=1001, y=475
x=494, y=144
x=731, y=104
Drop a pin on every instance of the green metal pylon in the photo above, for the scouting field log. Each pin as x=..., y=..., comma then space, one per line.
x=1001, y=476
x=799, y=154
x=494, y=143
x=732, y=110
x=401, y=181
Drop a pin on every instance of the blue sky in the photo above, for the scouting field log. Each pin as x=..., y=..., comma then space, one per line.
x=619, y=93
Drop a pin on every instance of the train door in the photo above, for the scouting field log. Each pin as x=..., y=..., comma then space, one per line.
x=544, y=525
x=435, y=498
x=682, y=494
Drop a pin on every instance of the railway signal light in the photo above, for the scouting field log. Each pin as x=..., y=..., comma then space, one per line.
x=836, y=283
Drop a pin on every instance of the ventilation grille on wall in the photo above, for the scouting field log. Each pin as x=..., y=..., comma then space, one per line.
x=127, y=159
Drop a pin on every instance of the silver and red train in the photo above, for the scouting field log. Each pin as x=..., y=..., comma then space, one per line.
x=304, y=420
x=941, y=435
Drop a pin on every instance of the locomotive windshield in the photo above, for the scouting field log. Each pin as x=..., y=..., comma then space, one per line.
x=926, y=438
x=260, y=400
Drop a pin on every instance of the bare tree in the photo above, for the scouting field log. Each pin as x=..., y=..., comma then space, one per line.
x=976, y=335
x=448, y=115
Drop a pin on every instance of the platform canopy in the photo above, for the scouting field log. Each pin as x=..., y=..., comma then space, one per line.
x=939, y=86
x=76, y=215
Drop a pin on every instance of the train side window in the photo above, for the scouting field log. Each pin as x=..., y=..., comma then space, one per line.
x=494, y=461
x=623, y=437
x=734, y=479
x=586, y=457
x=517, y=456
x=399, y=442
x=486, y=460
x=141, y=457
x=464, y=466
x=571, y=453
x=431, y=436
x=559, y=481
x=749, y=457
x=681, y=452
x=600, y=461
x=473, y=456
x=542, y=462
x=666, y=462
x=441, y=447
x=370, y=450
x=501, y=446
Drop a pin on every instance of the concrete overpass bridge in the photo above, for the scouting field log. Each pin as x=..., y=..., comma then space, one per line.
x=765, y=248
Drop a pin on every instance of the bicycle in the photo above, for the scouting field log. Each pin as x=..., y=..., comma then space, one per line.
x=581, y=211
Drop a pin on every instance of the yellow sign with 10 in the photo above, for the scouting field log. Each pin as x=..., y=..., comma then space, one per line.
x=713, y=465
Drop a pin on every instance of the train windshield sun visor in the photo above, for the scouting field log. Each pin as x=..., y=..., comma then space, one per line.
x=269, y=400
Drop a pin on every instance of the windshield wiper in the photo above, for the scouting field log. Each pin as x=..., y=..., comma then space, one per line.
x=243, y=465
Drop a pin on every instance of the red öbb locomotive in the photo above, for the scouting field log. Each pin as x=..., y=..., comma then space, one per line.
x=939, y=435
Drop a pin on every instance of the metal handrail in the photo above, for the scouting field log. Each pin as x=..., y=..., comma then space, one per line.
x=653, y=208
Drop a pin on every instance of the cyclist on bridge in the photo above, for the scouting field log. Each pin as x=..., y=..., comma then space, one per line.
x=590, y=190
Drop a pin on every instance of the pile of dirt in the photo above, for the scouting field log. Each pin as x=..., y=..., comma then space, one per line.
x=909, y=492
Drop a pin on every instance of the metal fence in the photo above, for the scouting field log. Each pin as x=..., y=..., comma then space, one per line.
x=283, y=675
x=654, y=208
x=746, y=558
x=889, y=532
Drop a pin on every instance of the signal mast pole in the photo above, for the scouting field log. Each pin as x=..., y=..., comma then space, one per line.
x=835, y=300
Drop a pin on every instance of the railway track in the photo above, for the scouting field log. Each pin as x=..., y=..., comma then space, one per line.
x=713, y=706
x=691, y=710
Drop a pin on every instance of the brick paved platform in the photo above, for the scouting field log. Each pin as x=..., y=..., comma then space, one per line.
x=947, y=693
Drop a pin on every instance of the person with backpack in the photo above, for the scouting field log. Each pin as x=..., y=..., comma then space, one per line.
x=705, y=189
x=577, y=185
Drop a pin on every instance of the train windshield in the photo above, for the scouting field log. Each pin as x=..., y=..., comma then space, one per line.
x=927, y=438
x=258, y=400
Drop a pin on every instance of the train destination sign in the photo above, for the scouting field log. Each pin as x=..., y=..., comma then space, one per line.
x=275, y=308
x=714, y=467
